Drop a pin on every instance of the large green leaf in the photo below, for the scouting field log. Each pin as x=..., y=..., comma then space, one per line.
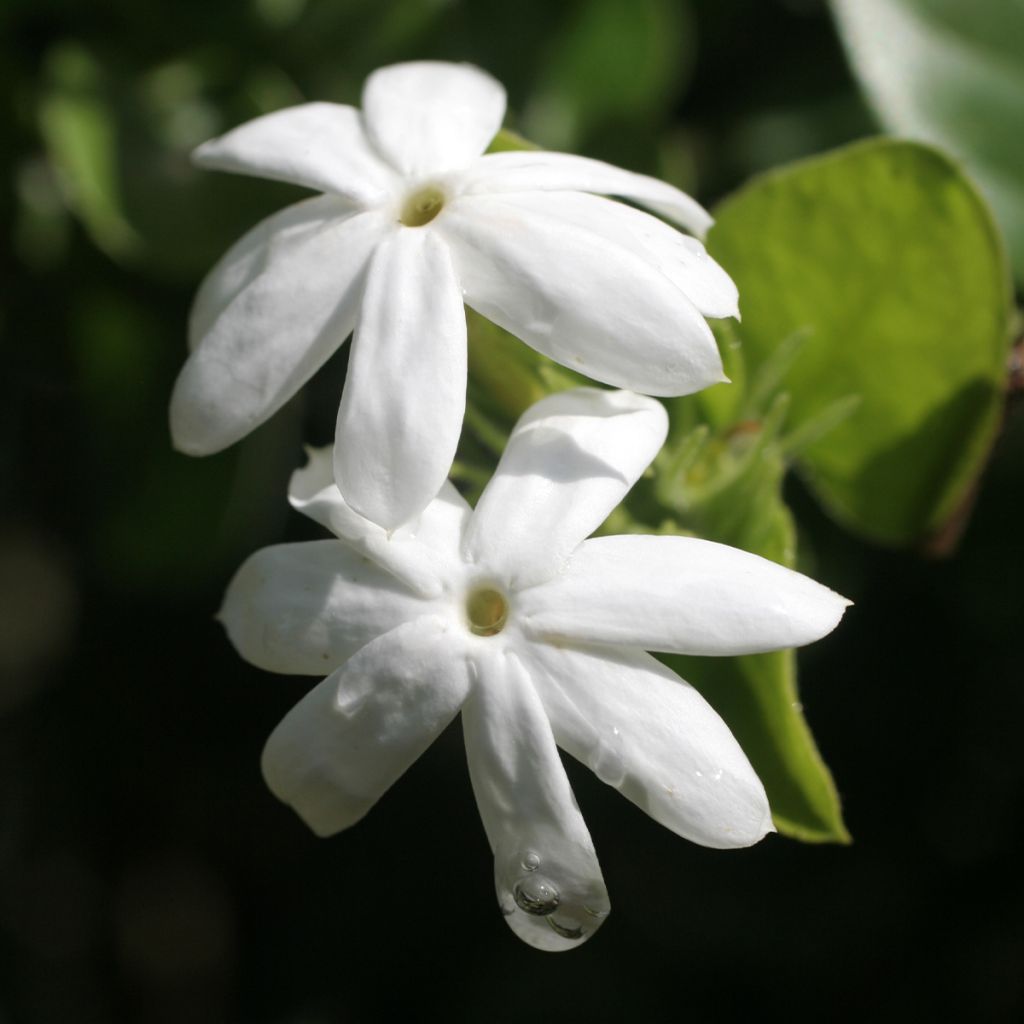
x=757, y=694
x=884, y=261
x=951, y=73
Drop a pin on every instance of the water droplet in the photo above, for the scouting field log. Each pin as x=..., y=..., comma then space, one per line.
x=606, y=762
x=536, y=895
x=565, y=931
x=530, y=861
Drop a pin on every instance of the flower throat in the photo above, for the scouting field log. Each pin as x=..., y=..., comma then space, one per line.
x=422, y=207
x=487, y=611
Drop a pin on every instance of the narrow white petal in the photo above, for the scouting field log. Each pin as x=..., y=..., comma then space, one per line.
x=423, y=554
x=405, y=395
x=643, y=730
x=561, y=172
x=319, y=145
x=576, y=294
x=546, y=873
x=569, y=461
x=427, y=117
x=681, y=258
x=306, y=608
x=341, y=747
x=680, y=594
x=270, y=314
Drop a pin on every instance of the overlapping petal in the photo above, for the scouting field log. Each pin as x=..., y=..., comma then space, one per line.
x=680, y=594
x=306, y=608
x=573, y=293
x=652, y=736
x=538, y=171
x=681, y=258
x=427, y=117
x=569, y=461
x=405, y=395
x=421, y=554
x=290, y=291
x=546, y=872
x=318, y=145
x=341, y=747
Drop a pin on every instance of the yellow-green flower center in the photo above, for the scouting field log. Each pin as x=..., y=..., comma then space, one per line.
x=487, y=611
x=422, y=206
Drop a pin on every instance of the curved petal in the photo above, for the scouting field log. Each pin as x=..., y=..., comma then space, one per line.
x=429, y=116
x=423, y=554
x=546, y=873
x=575, y=294
x=643, y=730
x=319, y=145
x=306, y=608
x=350, y=738
x=682, y=259
x=569, y=461
x=560, y=172
x=289, y=293
x=248, y=257
x=681, y=595
x=405, y=394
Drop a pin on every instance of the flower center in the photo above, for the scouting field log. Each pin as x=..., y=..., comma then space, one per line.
x=487, y=611
x=422, y=206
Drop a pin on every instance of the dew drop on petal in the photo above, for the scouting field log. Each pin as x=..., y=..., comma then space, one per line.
x=536, y=895
x=530, y=861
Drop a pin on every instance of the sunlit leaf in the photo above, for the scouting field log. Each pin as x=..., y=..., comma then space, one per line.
x=884, y=258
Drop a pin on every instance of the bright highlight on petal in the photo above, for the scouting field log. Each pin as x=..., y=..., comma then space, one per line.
x=570, y=460
x=428, y=116
x=405, y=395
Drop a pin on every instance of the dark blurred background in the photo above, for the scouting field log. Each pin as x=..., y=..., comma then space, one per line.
x=146, y=874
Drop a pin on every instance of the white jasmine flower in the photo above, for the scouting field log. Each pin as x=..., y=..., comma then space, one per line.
x=412, y=223
x=538, y=636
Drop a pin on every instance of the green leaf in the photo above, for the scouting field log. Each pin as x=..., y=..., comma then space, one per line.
x=757, y=694
x=885, y=261
x=951, y=73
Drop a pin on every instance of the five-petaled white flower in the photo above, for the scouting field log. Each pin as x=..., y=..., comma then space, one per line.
x=539, y=636
x=414, y=222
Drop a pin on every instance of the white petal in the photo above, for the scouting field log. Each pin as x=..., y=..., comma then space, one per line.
x=306, y=608
x=652, y=736
x=561, y=172
x=680, y=594
x=681, y=258
x=542, y=849
x=428, y=116
x=319, y=145
x=423, y=554
x=341, y=747
x=288, y=294
x=575, y=294
x=569, y=461
x=405, y=394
